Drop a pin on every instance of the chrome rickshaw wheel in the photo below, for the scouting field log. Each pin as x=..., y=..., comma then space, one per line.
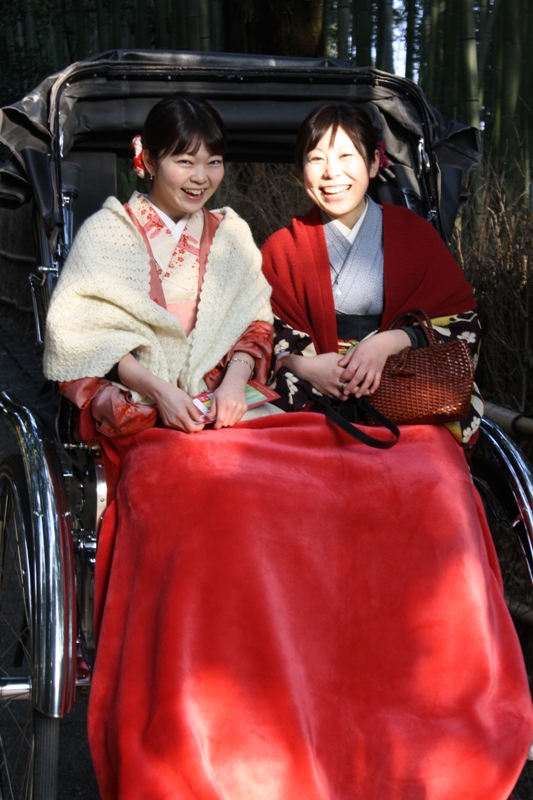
x=29, y=740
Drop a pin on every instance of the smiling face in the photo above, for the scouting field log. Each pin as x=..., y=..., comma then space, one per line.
x=183, y=182
x=336, y=177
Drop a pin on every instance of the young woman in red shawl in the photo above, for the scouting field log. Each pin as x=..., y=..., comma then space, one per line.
x=346, y=270
x=422, y=650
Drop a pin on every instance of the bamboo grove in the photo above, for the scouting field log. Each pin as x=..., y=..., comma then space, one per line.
x=473, y=59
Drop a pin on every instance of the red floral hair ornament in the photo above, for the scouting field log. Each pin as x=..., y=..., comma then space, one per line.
x=383, y=158
x=138, y=163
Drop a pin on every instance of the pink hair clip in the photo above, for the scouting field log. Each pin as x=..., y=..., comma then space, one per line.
x=383, y=158
x=138, y=163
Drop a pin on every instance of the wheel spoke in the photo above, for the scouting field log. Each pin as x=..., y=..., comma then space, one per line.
x=22, y=726
x=16, y=715
x=29, y=740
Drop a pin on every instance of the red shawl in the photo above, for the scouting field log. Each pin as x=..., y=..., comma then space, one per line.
x=419, y=272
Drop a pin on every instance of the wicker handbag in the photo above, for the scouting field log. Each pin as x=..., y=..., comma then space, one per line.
x=432, y=384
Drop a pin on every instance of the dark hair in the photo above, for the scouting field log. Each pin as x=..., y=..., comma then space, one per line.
x=348, y=116
x=181, y=123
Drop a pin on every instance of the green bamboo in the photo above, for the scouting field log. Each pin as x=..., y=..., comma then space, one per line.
x=468, y=55
x=432, y=58
x=216, y=19
x=81, y=49
x=440, y=33
x=343, y=29
x=161, y=28
x=485, y=38
x=50, y=45
x=450, y=65
x=385, y=37
x=498, y=88
x=68, y=34
x=327, y=14
x=116, y=37
x=362, y=32
x=192, y=25
x=29, y=25
x=410, y=45
x=179, y=24
x=142, y=33
x=526, y=99
x=101, y=28
x=204, y=33
x=510, y=144
x=11, y=52
x=425, y=29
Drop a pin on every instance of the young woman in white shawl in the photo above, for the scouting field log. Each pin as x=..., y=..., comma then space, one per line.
x=127, y=306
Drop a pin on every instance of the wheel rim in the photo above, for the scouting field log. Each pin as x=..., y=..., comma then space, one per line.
x=16, y=707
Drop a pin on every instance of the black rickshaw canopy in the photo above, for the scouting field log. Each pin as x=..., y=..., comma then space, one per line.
x=100, y=103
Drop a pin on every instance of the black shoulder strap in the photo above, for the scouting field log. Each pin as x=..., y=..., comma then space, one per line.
x=324, y=407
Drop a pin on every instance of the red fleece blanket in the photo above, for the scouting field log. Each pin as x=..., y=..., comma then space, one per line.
x=288, y=618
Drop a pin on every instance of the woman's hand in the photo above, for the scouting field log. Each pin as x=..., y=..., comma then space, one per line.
x=323, y=372
x=229, y=403
x=175, y=407
x=362, y=365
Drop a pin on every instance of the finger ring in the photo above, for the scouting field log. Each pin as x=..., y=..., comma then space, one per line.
x=344, y=384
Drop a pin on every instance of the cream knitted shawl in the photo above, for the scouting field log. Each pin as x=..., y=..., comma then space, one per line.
x=101, y=308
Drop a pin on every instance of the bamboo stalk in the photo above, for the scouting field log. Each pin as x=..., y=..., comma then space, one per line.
x=326, y=24
x=192, y=24
x=450, y=65
x=432, y=36
x=498, y=101
x=101, y=29
x=80, y=30
x=410, y=39
x=216, y=19
x=29, y=24
x=161, y=36
x=362, y=32
x=180, y=25
x=468, y=49
x=424, y=45
x=512, y=422
x=343, y=29
x=115, y=24
x=387, y=36
x=203, y=13
x=510, y=142
x=142, y=34
x=486, y=37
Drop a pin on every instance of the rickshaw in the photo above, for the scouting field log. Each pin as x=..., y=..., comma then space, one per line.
x=67, y=142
